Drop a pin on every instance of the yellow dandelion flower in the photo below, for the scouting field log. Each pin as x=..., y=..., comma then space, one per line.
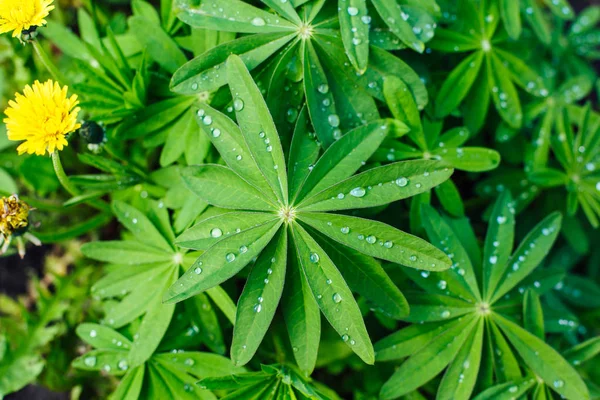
x=19, y=15
x=42, y=116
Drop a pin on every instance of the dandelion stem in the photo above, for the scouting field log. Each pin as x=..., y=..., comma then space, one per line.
x=70, y=187
x=48, y=63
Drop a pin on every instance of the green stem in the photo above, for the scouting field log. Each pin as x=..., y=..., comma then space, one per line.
x=70, y=187
x=48, y=63
x=62, y=176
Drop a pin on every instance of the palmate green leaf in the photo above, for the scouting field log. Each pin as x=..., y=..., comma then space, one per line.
x=346, y=156
x=436, y=307
x=404, y=108
x=461, y=278
x=222, y=261
x=113, y=362
x=222, y=187
x=259, y=299
x=507, y=391
x=498, y=244
x=378, y=240
x=583, y=352
x=472, y=159
x=533, y=315
x=457, y=85
x=504, y=93
x=131, y=385
x=153, y=118
x=304, y=152
x=227, y=137
x=429, y=361
x=319, y=98
x=505, y=362
x=198, y=364
x=536, y=19
x=477, y=101
x=137, y=301
x=160, y=46
x=154, y=325
x=354, y=104
x=121, y=279
x=214, y=229
x=140, y=226
x=529, y=254
x=407, y=341
x=232, y=16
x=257, y=126
x=511, y=16
x=332, y=294
x=366, y=277
x=544, y=361
x=460, y=378
x=125, y=252
x=102, y=337
x=396, y=19
x=302, y=317
x=450, y=199
x=379, y=186
x=354, y=27
x=201, y=313
x=206, y=73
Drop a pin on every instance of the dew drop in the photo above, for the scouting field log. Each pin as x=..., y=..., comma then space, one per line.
x=123, y=365
x=345, y=337
x=358, y=192
x=216, y=133
x=323, y=88
x=337, y=298
x=216, y=233
x=353, y=11
x=388, y=245
x=258, y=308
x=230, y=257
x=334, y=120
x=345, y=230
x=93, y=333
x=445, y=314
x=558, y=383
x=258, y=22
x=197, y=270
x=238, y=104
x=90, y=361
x=402, y=182
x=314, y=258
x=371, y=239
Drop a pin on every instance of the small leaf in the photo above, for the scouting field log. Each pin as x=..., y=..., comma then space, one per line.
x=533, y=316
x=355, y=32
x=544, y=361
x=214, y=229
x=333, y=295
x=529, y=254
x=222, y=261
x=259, y=299
x=302, y=317
x=257, y=126
x=220, y=186
x=457, y=85
x=378, y=240
x=429, y=361
x=379, y=186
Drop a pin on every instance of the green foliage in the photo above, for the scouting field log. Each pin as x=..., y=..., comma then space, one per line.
x=264, y=203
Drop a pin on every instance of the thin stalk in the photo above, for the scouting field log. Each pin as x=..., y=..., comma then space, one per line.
x=48, y=63
x=70, y=187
